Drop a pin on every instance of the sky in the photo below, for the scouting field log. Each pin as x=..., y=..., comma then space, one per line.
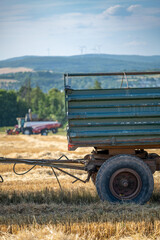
x=74, y=27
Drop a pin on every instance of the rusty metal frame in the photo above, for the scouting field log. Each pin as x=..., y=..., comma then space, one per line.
x=70, y=164
x=52, y=163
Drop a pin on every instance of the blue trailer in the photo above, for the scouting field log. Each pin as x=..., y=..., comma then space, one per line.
x=120, y=124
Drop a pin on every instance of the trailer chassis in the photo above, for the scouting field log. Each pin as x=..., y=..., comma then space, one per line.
x=90, y=163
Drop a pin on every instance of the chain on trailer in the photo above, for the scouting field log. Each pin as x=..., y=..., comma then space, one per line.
x=54, y=164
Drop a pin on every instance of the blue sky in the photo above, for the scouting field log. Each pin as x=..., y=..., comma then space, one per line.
x=71, y=27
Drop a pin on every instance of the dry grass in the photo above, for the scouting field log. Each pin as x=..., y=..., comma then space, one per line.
x=14, y=70
x=33, y=207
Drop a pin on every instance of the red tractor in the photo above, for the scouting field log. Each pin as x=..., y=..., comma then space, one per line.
x=14, y=131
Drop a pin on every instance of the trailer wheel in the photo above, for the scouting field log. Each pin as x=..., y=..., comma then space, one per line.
x=124, y=178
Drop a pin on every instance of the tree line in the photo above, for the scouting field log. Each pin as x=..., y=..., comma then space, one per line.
x=47, y=106
x=15, y=104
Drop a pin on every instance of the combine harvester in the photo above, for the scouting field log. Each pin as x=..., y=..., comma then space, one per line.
x=120, y=124
x=32, y=125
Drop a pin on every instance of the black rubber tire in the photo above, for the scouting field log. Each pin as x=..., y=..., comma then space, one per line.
x=44, y=132
x=132, y=163
x=27, y=131
x=54, y=130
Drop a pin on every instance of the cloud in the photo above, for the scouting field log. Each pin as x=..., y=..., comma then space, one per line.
x=130, y=18
x=47, y=26
x=32, y=10
x=134, y=8
x=112, y=10
x=116, y=10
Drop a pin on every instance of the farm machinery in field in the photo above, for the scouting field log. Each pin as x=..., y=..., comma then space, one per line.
x=120, y=124
x=32, y=125
x=14, y=131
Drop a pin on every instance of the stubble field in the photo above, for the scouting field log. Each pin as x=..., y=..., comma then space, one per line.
x=32, y=206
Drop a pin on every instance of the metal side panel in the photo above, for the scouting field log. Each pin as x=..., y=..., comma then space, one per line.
x=114, y=117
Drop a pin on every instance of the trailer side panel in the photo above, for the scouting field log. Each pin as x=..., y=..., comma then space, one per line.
x=114, y=118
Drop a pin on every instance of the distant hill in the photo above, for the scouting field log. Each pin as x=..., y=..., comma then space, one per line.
x=56, y=66
x=85, y=63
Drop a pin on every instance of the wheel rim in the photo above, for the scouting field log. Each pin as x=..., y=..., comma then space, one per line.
x=26, y=132
x=44, y=133
x=125, y=184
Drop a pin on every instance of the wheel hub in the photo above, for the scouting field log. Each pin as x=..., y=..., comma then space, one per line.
x=125, y=184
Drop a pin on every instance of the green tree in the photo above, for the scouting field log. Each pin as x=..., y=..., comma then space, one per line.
x=57, y=105
x=97, y=85
x=11, y=108
x=25, y=92
x=36, y=96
